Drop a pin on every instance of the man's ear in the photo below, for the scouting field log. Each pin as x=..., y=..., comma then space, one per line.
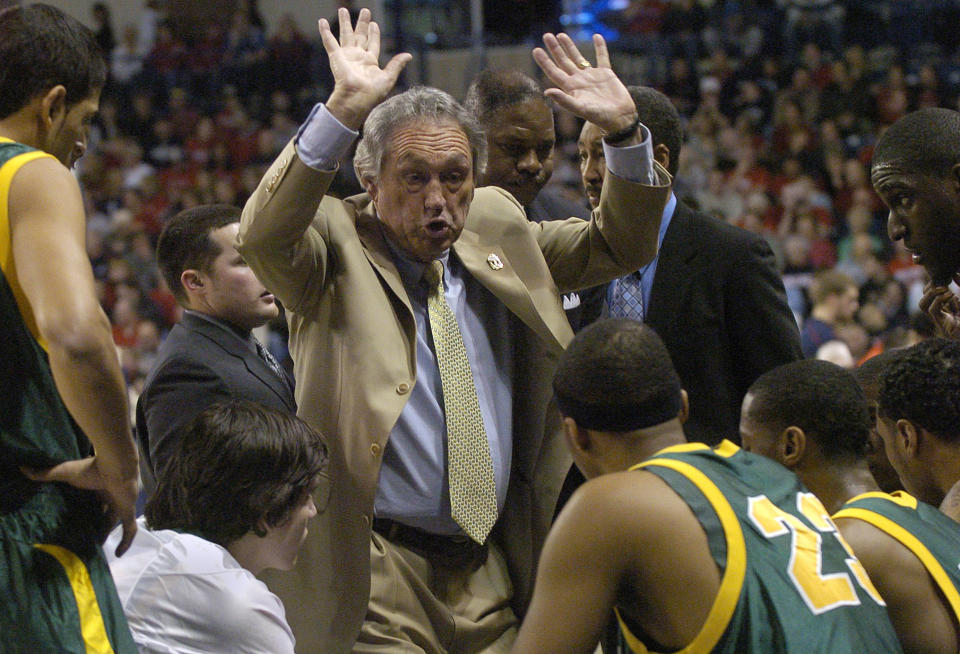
x=662, y=154
x=578, y=439
x=53, y=106
x=191, y=279
x=909, y=437
x=955, y=178
x=684, y=407
x=792, y=446
x=372, y=189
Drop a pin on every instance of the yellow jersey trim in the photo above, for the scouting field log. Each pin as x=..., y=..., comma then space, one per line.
x=913, y=544
x=92, y=629
x=7, y=171
x=731, y=584
x=897, y=497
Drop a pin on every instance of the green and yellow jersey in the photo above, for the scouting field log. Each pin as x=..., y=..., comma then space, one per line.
x=57, y=592
x=789, y=582
x=931, y=535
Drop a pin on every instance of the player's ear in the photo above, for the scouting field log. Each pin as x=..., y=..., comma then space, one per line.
x=792, y=446
x=578, y=439
x=908, y=437
x=684, y=407
x=662, y=154
x=955, y=178
x=53, y=104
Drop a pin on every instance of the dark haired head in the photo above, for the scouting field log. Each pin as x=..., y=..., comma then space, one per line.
x=185, y=242
x=923, y=386
x=868, y=373
x=238, y=465
x=926, y=142
x=617, y=376
x=40, y=48
x=657, y=112
x=493, y=90
x=819, y=397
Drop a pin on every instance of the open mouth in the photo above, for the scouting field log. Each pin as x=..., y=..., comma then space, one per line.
x=438, y=228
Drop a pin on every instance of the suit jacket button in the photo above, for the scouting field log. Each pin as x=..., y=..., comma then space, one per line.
x=403, y=388
x=375, y=449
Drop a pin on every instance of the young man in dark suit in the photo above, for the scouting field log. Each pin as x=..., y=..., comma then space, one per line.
x=713, y=293
x=211, y=355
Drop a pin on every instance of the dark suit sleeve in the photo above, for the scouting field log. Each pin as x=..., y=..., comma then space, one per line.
x=180, y=390
x=762, y=330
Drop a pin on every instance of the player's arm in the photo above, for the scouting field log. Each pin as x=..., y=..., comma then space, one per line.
x=917, y=609
x=581, y=567
x=48, y=231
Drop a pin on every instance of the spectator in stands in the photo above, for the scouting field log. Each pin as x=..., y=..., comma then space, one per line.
x=236, y=498
x=835, y=299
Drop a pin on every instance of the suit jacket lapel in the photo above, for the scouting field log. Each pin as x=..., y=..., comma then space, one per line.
x=233, y=345
x=378, y=253
x=674, y=272
x=481, y=261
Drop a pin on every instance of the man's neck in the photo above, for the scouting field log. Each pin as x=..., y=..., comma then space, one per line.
x=644, y=443
x=243, y=332
x=835, y=483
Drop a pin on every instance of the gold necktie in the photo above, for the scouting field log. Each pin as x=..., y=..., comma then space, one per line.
x=473, y=492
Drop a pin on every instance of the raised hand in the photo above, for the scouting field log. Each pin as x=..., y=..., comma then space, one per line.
x=360, y=84
x=943, y=307
x=596, y=93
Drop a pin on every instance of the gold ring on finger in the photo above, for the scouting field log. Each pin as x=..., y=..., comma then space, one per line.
x=583, y=63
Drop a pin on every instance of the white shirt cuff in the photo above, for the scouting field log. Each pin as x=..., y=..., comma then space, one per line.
x=323, y=140
x=633, y=163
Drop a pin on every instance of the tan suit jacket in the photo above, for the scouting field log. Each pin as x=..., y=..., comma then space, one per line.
x=352, y=336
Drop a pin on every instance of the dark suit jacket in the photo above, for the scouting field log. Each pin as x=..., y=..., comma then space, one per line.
x=718, y=304
x=199, y=363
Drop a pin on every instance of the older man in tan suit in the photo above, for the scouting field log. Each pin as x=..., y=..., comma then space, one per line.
x=425, y=326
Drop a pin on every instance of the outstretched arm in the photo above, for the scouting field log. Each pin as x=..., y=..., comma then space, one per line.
x=47, y=227
x=276, y=238
x=595, y=94
x=359, y=82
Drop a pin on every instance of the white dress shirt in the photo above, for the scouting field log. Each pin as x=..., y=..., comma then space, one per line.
x=185, y=595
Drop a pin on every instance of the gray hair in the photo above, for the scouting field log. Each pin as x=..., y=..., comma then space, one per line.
x=418, y=103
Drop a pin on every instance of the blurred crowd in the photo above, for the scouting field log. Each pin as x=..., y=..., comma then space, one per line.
x=782, y=102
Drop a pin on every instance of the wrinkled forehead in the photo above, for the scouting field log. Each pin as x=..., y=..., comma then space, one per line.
x=428, y=141
x=885, y=173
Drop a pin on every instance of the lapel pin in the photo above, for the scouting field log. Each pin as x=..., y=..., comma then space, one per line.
x=494, y=261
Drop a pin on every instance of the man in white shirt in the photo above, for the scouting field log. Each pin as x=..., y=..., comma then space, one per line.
x=233, y=500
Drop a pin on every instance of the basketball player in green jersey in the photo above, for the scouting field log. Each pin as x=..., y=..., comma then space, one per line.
x=698, y=549
x=812, y=417
x=61, y=389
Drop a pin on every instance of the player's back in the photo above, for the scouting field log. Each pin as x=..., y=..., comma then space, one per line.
x=932, y=536
x=789, y=583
